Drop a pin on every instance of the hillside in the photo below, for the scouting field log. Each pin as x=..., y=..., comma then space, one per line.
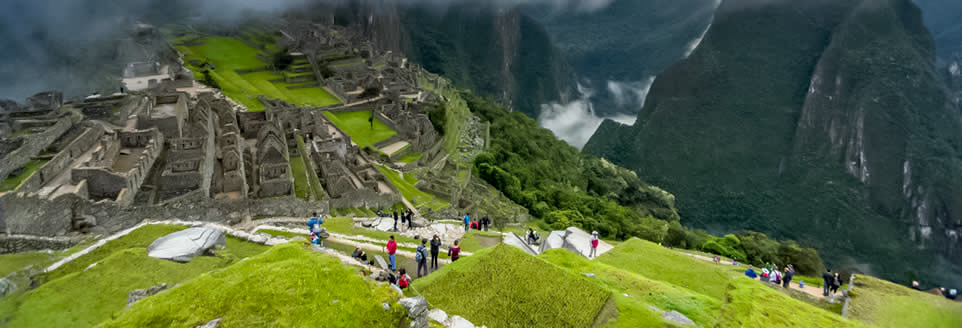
x=810, y=121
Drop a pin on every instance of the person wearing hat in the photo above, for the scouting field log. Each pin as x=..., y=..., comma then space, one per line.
x=594, y=244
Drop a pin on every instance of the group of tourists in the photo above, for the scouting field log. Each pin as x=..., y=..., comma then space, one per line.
x=476, y=224
x=770, y=273
x=407, y=217
x=420, y=257
x=951, y=294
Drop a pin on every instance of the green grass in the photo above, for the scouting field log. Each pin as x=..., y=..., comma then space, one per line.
x=345, y=226
x=302, y=184
x=13, y=181
x=653, y=261
x=311, y=175
x=505, y=287
x=287, y=286
x=887, y=304
x=474, y=240
x=280, y=233
x=228, y=55
x=667, y=297
x=412, y=193
x=411, y=157
x=17, y=261
x=357, y=126
x=753, y=304
x=85, y=298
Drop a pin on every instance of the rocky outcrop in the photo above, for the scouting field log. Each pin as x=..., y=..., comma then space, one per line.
x=181, y=246
x=805, y=120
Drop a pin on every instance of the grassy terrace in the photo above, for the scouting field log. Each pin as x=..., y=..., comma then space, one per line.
x=356, y=125
x=13, y=181
x=505, y=287
x=410, y=157
x=228, y=55
x=302, y=184
x=287, y=286
x=83, y=294
x=887, y=304
x=412, y=193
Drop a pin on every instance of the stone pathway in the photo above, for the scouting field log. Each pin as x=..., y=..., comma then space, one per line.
x=814, y=291
x=394, y=147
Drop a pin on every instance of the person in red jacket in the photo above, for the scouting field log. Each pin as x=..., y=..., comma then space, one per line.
x=403, y=280
x=391, y=249
x=594, y=244
x=454, y=252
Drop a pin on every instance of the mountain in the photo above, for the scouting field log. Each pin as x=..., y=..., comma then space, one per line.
x=617, y=49
x=824, y=121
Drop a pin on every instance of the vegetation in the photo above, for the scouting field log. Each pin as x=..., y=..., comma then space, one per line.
x=411, y=157
x=13, y=181
x=314, y=289
x=357, y=125
x=667, y=297
x=886, y=304
x=410, y=192
x=17, y=261
x=536, y=170
x=302, y=184
x=505, y=287
x=751, y=304
x=475, y=240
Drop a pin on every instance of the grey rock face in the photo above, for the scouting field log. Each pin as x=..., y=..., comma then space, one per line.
x=211, y=324
x=7, y=287
x=139, y=294
x=676, y=317
x=416, y=306
x=183, y=245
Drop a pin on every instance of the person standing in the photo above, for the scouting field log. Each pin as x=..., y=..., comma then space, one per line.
x=395, y=220
x=827, y=280
x=836, y=283
x=435, y=250
x=410, y=215
x=315, y=227
x=467, y=222
x=485, y=222
x=789, y=273
x=594, y=244
x=391, y=250
x=421, y=257
x=751, y=272
x=454, y=252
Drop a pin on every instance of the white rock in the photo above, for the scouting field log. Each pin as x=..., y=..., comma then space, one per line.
x=183, y=245
x=275, y=241
x=457, y=321
x=438, y=315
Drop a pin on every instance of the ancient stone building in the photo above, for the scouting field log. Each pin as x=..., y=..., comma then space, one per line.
x=271, y=173
x=119, y=164
x=167, y=112
x=190, y=157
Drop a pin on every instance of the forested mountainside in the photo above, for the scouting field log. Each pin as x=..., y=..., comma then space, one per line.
x=822, y=121
x=616, y=50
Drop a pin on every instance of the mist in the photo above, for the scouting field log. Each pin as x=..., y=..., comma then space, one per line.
x=575, y=122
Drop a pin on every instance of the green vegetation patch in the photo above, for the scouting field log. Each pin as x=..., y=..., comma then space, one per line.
x=287, y=286
x=17, y=261
x=753, y=304
x=85, y=298
x=356, y=125
x=410, y=192
x=302, y=184
x=13, y=181
x=411, y=157
x=653, y=261
x=474, y=240
x=887, y=304
x=667, y=297
x=505, y=287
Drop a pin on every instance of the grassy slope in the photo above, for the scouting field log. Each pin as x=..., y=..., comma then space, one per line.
x=505, y=287
x=287, y=286
x=411, y=157
x=228, y=55
x=474, y=240
x=357, y=126
x=698, y=307
x=890, y=305
x=656, y=262
x=752, y=304
x=17, y=261
x=13, y=181
x=412, y=193
x=302, y=184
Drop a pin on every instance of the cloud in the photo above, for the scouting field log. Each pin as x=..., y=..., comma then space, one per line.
x=630, y=93
x=576, y=121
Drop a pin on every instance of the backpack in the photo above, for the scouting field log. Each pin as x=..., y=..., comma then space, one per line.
x=419, y=255
x=403, y=282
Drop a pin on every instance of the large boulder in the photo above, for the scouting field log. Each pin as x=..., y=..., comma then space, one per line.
x=7, y=287
x=183, y=245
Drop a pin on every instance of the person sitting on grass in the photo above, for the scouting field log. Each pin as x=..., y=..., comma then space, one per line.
x=360, y=255
x=751, y=272
x=403, y=280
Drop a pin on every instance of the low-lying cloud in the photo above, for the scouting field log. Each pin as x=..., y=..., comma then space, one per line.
x=576, y=121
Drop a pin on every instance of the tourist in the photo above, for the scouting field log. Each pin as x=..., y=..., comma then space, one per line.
x=953, y=294
x=775, y=276
x=836, y=283
x=455, y=251
x=532, y=236
x=827, y=280
x=403, y=280
x=360, y=255
x=485, y=222
x=371, y=120
x=395, y=221
x=789, y=273
x=474, y=225
x=435, y=250
x=594, y=244
x=751, y=272
x=410, y=219
x=765, y=273
x=421, y=256
x=315, y=227
x=467, y=222
x=915, y=285
x=391, y=249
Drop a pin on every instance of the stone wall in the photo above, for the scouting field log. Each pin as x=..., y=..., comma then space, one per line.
x=33, y=145
x=61, y=162
x=35, y=215
x=20, y=243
